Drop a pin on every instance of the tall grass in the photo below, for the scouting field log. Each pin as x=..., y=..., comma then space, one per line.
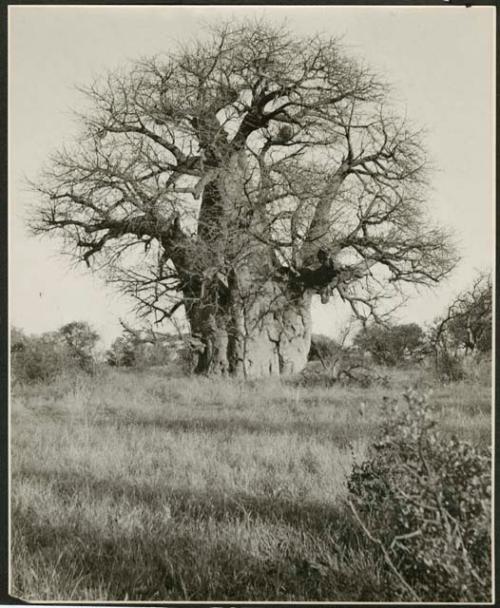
x=134, y=486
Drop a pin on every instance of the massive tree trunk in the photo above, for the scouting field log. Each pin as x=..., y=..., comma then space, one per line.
x=251, y=317
x=267, y=333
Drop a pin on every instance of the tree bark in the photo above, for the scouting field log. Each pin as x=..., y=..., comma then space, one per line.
x=267, y=333
x=251, y=321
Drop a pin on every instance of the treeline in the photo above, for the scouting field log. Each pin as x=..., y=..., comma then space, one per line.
x=42, y=357
x=464, y=329
x=75, y=347
x=145, y=347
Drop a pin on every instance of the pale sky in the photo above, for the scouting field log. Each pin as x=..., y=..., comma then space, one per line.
x=440, y=61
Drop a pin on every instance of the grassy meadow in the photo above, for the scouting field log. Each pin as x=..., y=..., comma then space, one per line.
x=138, y=486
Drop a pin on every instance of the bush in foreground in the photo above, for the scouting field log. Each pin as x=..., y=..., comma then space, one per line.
x=424, y=500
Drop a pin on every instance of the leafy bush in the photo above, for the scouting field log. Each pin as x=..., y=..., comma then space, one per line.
x=40, y=358
x=35, y=358
x=121, y=353
x=424, y=499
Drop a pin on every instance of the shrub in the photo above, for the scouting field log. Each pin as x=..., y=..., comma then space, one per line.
x=121, y=353
x=424, y=499
x=40, y=358
x=35, y=358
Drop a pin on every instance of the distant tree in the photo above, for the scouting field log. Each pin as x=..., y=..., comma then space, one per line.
x=467, y=324
x=81, y=341
x=228, y=177
x=36, y=358
x=392, y=344
x=121, y=353
x=465, y=328
x=42, y=357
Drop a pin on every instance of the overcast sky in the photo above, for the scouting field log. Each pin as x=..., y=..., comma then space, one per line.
x=440, y=61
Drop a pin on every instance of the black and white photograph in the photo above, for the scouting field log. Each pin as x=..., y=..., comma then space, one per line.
x=251, y=278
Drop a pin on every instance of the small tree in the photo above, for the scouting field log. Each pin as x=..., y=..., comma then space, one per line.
x=465, y=328
x=392, y=344
x=121, y=353
x=36, y=358
x=81, y=341
x=43, y=357
x=228, y=177
x=468, y=322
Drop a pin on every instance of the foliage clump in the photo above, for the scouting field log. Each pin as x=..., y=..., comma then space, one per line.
x=40, y=358
x=392, y=344
x=424, y=499
x=34, y=358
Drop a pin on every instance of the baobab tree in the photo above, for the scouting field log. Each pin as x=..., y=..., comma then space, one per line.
x=232, y=177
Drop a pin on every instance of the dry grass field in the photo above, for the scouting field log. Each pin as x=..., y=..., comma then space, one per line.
x=136, y=486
